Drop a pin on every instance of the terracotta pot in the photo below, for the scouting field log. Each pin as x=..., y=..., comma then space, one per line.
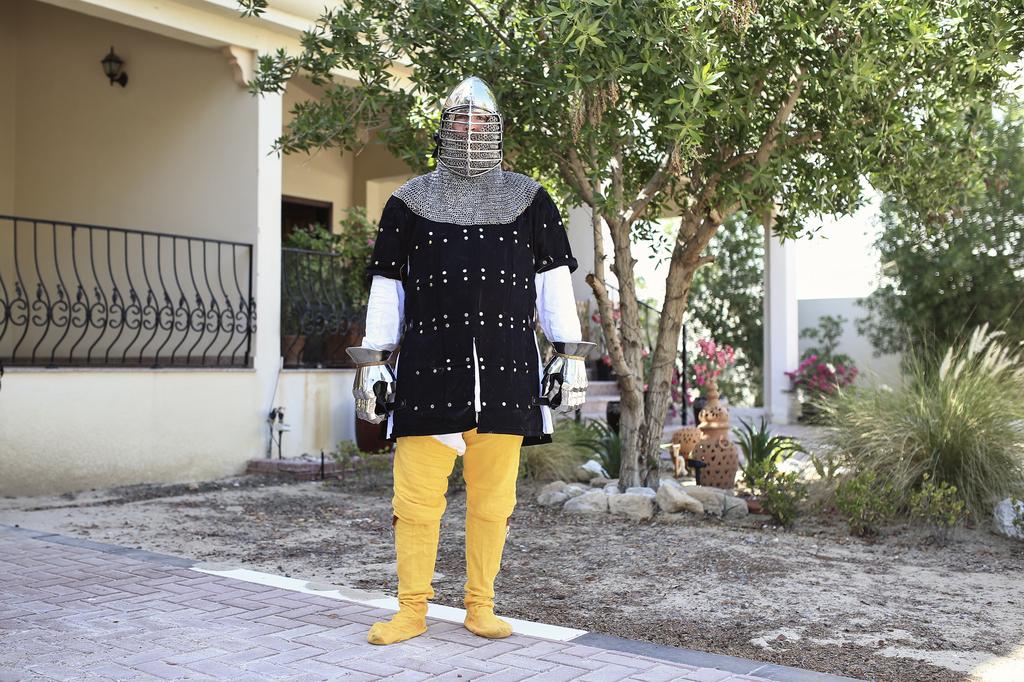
x=370, y=437
x=722, y=460
x=337, y=343
x=292, y=346
x=754, y=505
x=612, y=414
x=720, y=455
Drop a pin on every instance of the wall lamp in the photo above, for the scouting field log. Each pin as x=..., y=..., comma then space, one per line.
x=112, y=65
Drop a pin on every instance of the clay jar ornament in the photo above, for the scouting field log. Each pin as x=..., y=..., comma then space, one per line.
x=684, y=441
x=720, y=455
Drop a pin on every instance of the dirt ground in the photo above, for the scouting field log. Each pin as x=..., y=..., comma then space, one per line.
x=895, y=609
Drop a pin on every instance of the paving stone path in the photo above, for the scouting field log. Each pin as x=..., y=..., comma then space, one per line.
x=71, y=609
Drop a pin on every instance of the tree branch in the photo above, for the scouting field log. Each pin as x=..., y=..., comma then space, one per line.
x=490, y=25
x=579, y=171
x=781, y=116
x=653, y=186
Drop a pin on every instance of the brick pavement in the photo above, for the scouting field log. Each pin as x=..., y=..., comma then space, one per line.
x=75, y=610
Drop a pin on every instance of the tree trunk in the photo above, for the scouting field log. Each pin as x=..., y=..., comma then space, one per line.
x=686, y=259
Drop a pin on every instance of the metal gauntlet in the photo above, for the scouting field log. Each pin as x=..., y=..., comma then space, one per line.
x=564, y=386
x=375, y=383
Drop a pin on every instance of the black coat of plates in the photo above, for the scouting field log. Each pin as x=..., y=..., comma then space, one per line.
x=466, y=284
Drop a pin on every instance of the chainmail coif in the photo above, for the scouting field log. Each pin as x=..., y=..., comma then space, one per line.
x=497, y=197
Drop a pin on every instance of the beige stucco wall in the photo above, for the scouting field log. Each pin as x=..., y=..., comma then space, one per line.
x=8, y=69
x=375, y=162
x=884, y=368
x=319, y=409
x=66, y=430
x=175, y=151
x=171, y=152
x=324, y=175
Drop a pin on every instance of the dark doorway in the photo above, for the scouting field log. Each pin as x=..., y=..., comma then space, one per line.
x=298, y=212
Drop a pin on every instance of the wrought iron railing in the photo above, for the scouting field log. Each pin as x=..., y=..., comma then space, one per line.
x=319, y=318
x=73, y=294
x=650, y=318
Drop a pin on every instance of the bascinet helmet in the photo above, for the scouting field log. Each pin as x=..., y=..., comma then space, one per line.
x=470, y=138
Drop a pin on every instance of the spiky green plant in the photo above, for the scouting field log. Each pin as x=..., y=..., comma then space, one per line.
x=762, y=451
x=958, y=417
x=600, y=439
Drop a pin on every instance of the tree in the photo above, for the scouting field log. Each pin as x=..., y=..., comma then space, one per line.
x=947, y=272
x=727, y=303
x=654, y=107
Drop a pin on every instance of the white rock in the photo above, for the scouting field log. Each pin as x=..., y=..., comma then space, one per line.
x=554, y=485
x=1003, y=516
x=574, y=489
x=641, y=490
x=636, y=507
x=711, y=497
x=671, y=499
x=593, y=502
x=580, y=474
x=552, y=498
x=735, y=507
x=595, y=467
x=612, y=488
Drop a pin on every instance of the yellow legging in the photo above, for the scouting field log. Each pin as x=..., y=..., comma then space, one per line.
x=422, y=467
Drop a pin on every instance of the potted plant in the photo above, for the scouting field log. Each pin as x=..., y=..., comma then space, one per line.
x=337, y=279
x=821, y=370
x=711, y=361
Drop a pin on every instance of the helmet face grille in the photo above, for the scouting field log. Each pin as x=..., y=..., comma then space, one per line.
x=470, y=139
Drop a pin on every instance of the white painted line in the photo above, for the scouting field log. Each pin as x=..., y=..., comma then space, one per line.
x=382, y=601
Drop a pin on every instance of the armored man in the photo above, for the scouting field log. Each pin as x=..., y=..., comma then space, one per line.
x=467, y=260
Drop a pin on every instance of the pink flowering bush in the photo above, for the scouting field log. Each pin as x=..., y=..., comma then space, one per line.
x=816, y=376
x=712, y=361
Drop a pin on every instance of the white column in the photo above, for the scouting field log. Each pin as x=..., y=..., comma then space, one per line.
x=781, y=333
x=267, y=257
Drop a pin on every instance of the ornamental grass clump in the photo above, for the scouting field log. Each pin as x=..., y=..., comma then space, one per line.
x=557, y=460
x=958, y=418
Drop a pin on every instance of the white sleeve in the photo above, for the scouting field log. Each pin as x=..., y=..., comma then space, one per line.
x=556, y=305
x=385, y=313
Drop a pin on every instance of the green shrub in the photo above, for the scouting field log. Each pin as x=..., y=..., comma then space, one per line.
x=957, y=417
x=781, y=495
x=762, y=451
x=368, y=469
x=939, y=507
x=866, y=502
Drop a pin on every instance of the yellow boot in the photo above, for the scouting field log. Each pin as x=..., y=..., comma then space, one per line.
x=485, y=541
x=416, y=549
x=421, y=469
x=491, y=468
